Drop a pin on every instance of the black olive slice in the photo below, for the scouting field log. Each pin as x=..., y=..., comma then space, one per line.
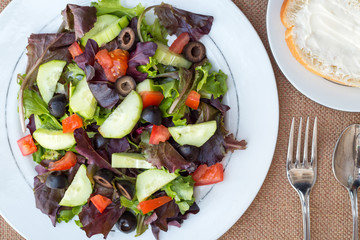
x=126, y=188
x=56, y=180
x=127, y=222
x=126, y=38
x=57, y=105
x=194, y=51
x=104, y=178
x=152, y=114
x=124, y=85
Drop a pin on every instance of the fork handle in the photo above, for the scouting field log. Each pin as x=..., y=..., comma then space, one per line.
x=353, y=199
x=306, y=213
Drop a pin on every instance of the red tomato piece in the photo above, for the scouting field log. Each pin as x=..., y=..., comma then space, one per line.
x=71, y=123
x=114, y=63
x=151, y=98
x=178, y=45
x=66, y=162
x=27, y=145
x=205, y=175
x=75, y=50
x=151, y=204
x=159, y=134
x=193, y=100
x=100, y=202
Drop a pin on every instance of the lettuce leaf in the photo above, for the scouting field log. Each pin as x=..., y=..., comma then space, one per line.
x=154, y=32
x=67, y=214
x=215, y=84
x=177, y=21
x=114, y=7
x=182, y=191
x=79, y=19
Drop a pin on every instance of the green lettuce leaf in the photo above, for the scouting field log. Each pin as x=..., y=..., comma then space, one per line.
x=202, y=73
x=130, y=204
x=67, y=215
x=114, y=7
x=177, y=117
x=38, y=154
x=182, y=191
x=74, y=73
x=34, y=104
x=154, y=32
x=215, y=84
x=101, y=114
x=168, y=88
x=150, y=68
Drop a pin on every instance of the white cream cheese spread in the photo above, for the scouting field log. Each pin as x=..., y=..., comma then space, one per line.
x=329, y=30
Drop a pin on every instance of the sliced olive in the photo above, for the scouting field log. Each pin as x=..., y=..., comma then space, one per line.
x=104, y=177
x=126, y=188
x=194, y=51
x=126, y=38
x=189, y=152
x=99, y=141
x=56, y=180
x=127, y=222
x=124, y=85
x=152, y=114
x=57, y=105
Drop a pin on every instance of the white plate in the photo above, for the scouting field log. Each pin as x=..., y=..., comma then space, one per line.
x=232, y=45
x=316, y=88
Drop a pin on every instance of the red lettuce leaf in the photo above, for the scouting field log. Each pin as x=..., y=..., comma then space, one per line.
x=140, y=56
x=165, y=155
x=177, y=21
x=105, y=94
x=47, y=199
x=31, y=125
x=118, y=145
x=163, y=213
x=85, y=148
x=45, y=47
x=79, y=19
x=95, y=222
x=88, y=56
x=231, y=144
x=216, y=104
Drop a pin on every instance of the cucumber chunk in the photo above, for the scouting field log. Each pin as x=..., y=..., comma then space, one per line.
x=195, y=134
x=82, y=101
x=106, y=28
x=54, y=139
x=79, y=190
x=48, y=75
x=166, y=57
x=144, y=86
x=129, y=160
x=150, y=181
x=124, y=118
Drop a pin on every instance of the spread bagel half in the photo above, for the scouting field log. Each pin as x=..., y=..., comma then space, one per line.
x=324, y=36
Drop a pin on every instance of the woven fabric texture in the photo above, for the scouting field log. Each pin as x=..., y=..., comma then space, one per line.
x=276, y=212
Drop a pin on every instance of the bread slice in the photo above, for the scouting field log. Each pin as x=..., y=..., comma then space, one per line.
x=324, y=36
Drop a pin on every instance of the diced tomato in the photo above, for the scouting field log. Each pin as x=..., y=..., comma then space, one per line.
x=151, y=98
x=114, y=63
x=66, y=162
x=205, y=175
x=151, y=204
x=178, y=45
x=193, y=100
x=100, y=202
x=159, y=134
x=71, y=123
x=75, y=50
x=27, y=145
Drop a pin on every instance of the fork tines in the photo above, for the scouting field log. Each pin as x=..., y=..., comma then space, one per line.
x=305, y=162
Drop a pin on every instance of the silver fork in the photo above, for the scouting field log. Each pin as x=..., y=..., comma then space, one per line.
x=302, y=174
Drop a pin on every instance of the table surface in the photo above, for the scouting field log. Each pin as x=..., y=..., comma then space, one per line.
x=276, y=212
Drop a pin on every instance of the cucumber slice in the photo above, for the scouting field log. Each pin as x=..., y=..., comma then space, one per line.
x=124, y=118
x=54, y=139
x=82, y=101
x=48, y=75
x=150, y=181
x=166, y=57
x=79, y=190
x=195, y=134
x=106, y=28
x=146, y=85
x=129, y=160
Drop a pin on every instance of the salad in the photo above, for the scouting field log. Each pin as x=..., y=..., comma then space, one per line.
x=123, y=125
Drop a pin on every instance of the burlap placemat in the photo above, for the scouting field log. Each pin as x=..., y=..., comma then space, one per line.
x=275, y=212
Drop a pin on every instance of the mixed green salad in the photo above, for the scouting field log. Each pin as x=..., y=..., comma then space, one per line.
x=122, y=125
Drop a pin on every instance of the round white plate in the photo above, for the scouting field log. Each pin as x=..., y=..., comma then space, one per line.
x=232, y=46
x=316, y=88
